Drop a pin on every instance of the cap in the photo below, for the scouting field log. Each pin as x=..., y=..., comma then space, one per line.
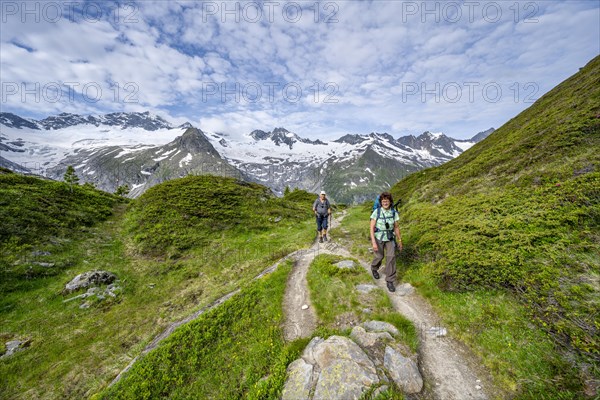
x=322, y=192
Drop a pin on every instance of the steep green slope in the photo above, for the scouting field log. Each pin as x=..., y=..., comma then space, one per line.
x=520, y=211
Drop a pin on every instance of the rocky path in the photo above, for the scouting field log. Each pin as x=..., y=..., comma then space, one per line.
x=451, y=370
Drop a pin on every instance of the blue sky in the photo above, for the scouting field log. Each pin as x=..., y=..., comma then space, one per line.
x=320, y=69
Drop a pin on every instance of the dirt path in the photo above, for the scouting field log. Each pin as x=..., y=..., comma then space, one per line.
x=451, y=370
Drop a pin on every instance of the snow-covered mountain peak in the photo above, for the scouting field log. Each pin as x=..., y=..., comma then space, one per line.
x=14, y=121
x=281, y=136
x=122, y=120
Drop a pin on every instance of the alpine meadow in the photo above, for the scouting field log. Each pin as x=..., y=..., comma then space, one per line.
x=338, y=200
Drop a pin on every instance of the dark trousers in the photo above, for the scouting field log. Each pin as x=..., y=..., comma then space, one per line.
x=322, y=222
x=386, y=249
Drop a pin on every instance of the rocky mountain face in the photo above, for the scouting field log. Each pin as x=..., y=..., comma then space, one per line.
x=351, y=169
x=141, y=167
x=142, y=149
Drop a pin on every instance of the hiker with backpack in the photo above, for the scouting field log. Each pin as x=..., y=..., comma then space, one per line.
x=385, y=237
x=322, y=210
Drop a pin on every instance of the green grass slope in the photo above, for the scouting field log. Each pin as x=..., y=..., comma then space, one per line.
x=520, y=212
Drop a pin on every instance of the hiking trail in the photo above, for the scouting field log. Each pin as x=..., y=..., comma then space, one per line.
x=450, y=369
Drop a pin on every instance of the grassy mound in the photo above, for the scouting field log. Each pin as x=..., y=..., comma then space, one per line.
x=34, y=210
x=520, y=211
x=193, y=211
x=42, y=215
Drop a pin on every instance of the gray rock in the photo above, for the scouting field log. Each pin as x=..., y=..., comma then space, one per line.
x=365, y=287
x=380, y=326
x=85, y=305
x=340, y=347
x=277, y=219
x=345, y=264
x=403, y=371
x=88, y=279
x=43, y=264
x=369, y=339
x=38, y=253
x=15, y=345
x=438, y=331
x=299, y=381
x=344, y=379
x=405, y=289
x=308, y=353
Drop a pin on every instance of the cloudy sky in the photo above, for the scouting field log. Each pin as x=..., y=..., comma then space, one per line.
x=320, y=69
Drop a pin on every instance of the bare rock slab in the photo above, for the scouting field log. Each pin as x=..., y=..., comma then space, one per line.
x=403, y=371
x=344, y=379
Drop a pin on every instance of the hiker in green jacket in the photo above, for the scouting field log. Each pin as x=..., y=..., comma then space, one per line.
x=322, y=210
x=385, y=236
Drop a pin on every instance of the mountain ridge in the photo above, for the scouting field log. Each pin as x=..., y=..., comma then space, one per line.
x=278, y=158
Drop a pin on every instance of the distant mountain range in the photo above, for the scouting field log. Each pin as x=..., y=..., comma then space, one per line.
x=142, y=149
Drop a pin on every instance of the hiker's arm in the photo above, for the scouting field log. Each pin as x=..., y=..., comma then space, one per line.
x=373, y=241
x=398, y=237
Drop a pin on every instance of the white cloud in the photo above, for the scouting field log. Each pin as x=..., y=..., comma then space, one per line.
x=169, y=51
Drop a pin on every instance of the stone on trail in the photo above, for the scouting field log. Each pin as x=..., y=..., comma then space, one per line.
x=344, y=379
x=365, y=287
x=380, y=326
x=345, y=264
x=369, y=339
x=405, y=289
x=403, y=371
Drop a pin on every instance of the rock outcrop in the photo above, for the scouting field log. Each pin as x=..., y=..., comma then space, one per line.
x=345, y=368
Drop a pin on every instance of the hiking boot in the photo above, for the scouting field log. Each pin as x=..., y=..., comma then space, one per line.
x=375, y=274
x=391, y=287
x=325, y=238
x=321, y=240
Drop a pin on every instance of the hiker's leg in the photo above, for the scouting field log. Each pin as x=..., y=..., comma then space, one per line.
x=319, y=224
x=376, y=263
x=390, y=261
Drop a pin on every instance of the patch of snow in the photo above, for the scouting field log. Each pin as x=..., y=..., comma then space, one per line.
x=185, y=160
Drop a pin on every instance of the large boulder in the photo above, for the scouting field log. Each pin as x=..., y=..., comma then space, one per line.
x=90, y=278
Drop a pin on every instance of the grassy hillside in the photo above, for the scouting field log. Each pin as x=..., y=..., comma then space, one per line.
x=75, y=352
x=42, y=215
x=520, y=213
